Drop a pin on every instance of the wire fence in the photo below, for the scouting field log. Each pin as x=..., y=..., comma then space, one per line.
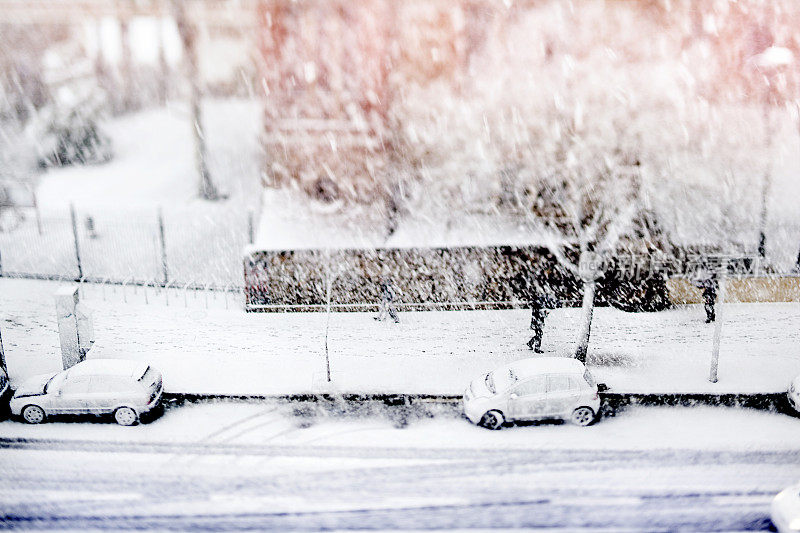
x=180, y=296
x=179, y=249
x=175, y=255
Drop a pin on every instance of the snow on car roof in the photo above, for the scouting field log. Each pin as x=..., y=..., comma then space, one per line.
x=536, y=365
x=108, y=367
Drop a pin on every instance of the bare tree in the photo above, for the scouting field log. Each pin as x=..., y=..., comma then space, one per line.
x=188, y=35
x=591, y=210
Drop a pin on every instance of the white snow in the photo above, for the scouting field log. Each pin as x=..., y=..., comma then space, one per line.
x=153, y=169
x=214, y=350
x=291, y=222
x=271, y=424
x=109, y=367
x=153, y=163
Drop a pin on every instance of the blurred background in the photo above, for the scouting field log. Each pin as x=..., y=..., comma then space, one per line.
x=381, y=114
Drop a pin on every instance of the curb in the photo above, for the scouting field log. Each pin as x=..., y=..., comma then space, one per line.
x=774, y=401
x=387, y=399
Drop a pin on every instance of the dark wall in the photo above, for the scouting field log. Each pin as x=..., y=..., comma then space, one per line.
x=440, y=278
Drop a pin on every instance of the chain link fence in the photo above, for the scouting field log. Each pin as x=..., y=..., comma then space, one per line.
x=178, y=248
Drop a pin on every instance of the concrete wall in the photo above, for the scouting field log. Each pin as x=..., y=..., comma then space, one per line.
x=784, y=288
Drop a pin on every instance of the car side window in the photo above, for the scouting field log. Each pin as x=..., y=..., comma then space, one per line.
x=536, y=385
x=556, y=383
x=111, y=384
x=77, y=385
x=101, y=384
x=575, y=383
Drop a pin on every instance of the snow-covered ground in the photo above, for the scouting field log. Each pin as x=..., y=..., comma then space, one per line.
x=260, y=466
x=153, y=169
x=278, y=424
x=153, y=163
x=203, y=348
x=291, y=222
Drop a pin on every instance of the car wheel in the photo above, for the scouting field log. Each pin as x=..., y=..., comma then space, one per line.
x=33, y=414
x=582, y=416
x=492, y=420
x=125, y=416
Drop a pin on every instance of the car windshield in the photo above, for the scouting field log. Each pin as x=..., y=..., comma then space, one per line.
x=490, y=383
x=148, y=377
x=55, y=381
x=500, y=379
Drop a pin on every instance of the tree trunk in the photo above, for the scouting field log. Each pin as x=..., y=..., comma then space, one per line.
x=718, y=303
x=797, y=263
x=765, y=185
x=163, y=67
x=126, y=65
x=586, y=327
x=188, y=34
x=2, y=356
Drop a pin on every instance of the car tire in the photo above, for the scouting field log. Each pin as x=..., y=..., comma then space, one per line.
x=492, y=420
x=582, y=416
x=125, y=416
x=33, y=414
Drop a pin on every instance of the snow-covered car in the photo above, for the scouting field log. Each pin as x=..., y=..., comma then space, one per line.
x=538, y=388
x=794, y=394
x=97, y=386
x=785, y=510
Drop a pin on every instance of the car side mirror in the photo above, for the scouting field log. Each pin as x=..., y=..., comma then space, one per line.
x=602, y=387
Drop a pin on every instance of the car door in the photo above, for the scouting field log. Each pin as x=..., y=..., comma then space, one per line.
x=71, y=398
x=562, y=394
x=528, y=400
x=102, y=394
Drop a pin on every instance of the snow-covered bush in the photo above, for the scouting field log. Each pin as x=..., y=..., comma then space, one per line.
x=68, y=132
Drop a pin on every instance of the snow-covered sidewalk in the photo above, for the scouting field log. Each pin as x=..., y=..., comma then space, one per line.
x=219, y=351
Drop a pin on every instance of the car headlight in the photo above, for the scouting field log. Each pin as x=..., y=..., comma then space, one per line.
x=794, y=525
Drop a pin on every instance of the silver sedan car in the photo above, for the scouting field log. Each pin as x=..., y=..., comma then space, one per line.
x=126, y=389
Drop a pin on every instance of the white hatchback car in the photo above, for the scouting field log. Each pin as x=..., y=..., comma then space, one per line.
x=785, y=510
x=97, y=386
x=539, y=388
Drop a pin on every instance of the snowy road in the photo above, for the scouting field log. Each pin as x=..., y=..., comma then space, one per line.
x=256, y=467
x=374, y=489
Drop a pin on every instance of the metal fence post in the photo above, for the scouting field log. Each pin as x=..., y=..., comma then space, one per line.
x=250, y=227
x=75, y=237
x=36, y=211
x=163, y=244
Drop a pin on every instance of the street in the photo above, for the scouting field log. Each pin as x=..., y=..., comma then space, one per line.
x=256, y=467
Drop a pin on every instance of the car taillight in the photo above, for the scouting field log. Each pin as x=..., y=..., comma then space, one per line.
x=596, y=395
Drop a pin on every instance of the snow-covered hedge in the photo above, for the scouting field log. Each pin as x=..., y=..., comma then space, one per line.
x=426, y=278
